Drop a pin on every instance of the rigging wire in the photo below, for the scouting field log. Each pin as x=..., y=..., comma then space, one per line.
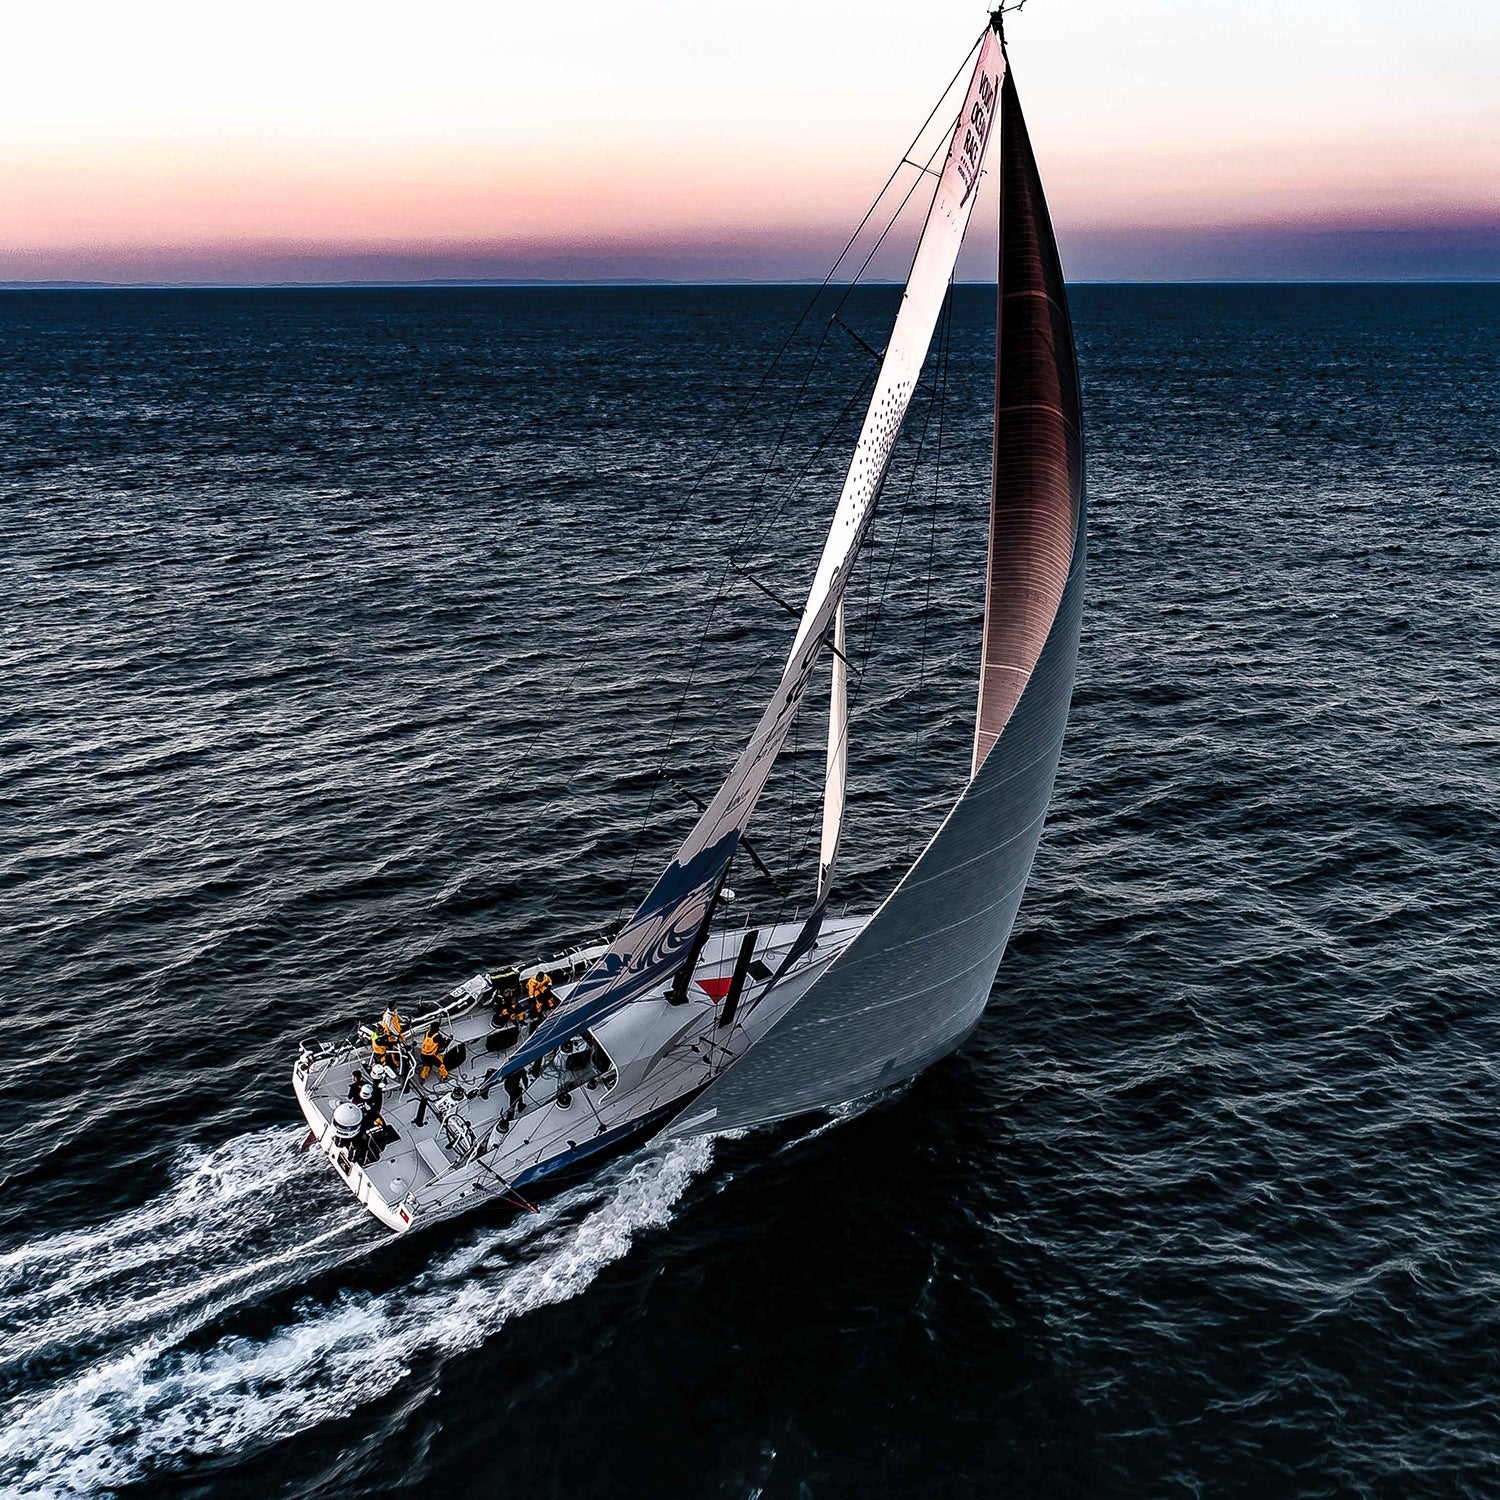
x=738, y=548
x=936, y=401
x=768, y=521
x=729, y=568
x=668, y=529
x=660, y=773
x=834, y=317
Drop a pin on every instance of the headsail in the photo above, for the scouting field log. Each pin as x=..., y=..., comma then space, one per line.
x=664, y=929
x=915, y=979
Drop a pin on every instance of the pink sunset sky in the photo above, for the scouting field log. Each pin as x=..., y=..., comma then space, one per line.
x=660, y=139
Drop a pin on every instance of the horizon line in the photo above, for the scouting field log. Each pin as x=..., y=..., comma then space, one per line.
x=638, y=282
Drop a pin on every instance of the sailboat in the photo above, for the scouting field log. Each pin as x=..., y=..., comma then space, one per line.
x=677, y=1025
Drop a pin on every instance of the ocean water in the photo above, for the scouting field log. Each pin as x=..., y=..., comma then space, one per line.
x=343, y=637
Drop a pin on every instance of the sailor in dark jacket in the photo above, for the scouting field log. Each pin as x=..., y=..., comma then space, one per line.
x=515, y=1088
x=370, y=1099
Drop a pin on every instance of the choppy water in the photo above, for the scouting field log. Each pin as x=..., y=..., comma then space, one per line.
x=342, y=634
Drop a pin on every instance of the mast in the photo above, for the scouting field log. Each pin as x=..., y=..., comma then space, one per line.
x=836, y=762
x=835, y=781
x=665, y=931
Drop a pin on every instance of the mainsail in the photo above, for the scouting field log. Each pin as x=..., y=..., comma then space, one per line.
x=665, y=929
x=914, y=980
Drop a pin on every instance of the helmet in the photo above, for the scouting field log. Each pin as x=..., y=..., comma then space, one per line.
x=367, y=1091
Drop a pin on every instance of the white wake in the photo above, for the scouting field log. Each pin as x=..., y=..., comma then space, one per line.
x=245, y=1220
x=237, y=1213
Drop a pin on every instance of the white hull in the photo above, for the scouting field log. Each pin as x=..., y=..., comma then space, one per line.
x=458, y=1142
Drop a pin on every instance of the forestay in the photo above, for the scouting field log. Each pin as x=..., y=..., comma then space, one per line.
x=662, y=933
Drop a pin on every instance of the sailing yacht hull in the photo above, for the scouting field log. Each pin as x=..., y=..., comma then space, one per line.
x=587, y=1159
x=434, y=1146
x=548, y=1176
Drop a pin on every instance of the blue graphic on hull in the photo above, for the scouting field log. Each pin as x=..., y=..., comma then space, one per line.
x=620, y=1138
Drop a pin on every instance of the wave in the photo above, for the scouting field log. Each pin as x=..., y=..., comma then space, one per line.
x=237, y=1211
x=206, y=1246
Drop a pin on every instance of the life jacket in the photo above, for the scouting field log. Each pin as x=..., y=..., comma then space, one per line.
x=431, y=1047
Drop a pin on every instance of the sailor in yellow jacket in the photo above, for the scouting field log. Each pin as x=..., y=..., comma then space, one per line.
x=432, y=1055
x=385, y=1049
x=539, y=990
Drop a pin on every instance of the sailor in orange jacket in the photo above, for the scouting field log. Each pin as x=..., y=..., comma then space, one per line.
x=432, y=1055
x=539, y=989
x=385, y=1048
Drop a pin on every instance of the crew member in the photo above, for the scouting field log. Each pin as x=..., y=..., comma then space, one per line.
x=386, y=1043
x=539, y=991
x=370, y=1098
x=371, y=1141
x=434, y=1044
x=507, y=989
x=391, y=1022
x=515, y=1088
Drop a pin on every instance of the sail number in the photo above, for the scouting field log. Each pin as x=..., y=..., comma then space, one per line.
x=976, y=133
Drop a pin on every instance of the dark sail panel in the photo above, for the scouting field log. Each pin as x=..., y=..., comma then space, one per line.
x=1038, y=462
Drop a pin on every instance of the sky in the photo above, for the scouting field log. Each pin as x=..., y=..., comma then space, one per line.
x=319, y=140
